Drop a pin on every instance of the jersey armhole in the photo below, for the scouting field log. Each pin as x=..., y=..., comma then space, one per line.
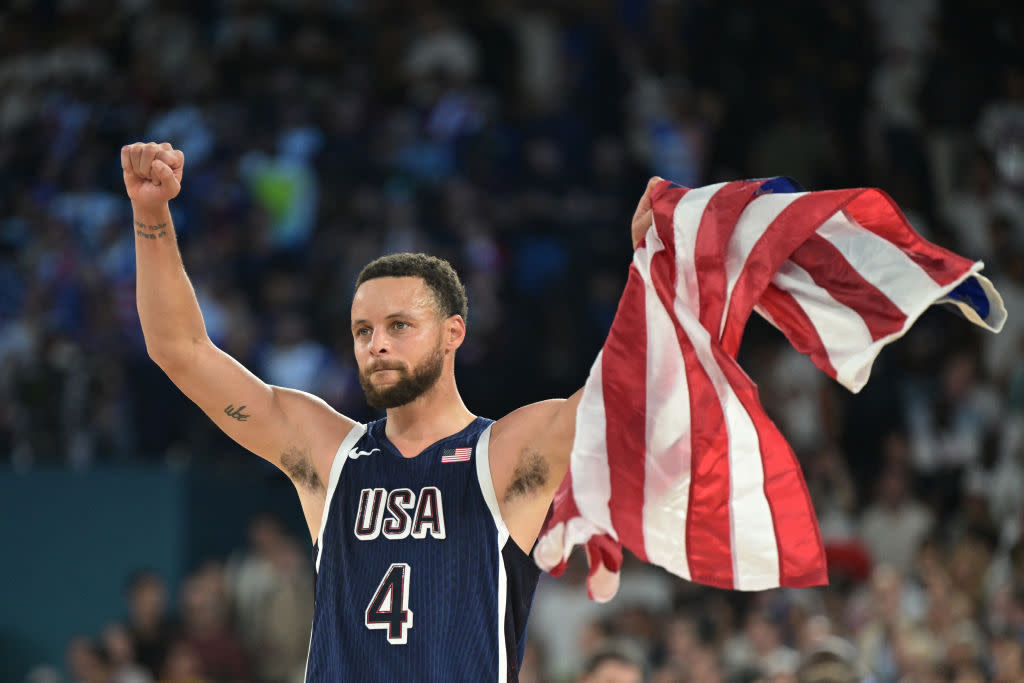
x=486, y=482
x=340, y=456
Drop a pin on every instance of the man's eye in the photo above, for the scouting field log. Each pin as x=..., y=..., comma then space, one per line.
x=399, y=325
x=363, y=331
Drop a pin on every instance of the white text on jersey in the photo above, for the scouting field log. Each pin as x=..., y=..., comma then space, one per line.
x=405, y=514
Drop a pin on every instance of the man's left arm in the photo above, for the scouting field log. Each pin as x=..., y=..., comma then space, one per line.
x=529, y=457
x=530, y=447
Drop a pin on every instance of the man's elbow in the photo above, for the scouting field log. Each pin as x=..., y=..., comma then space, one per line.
x=172, y=358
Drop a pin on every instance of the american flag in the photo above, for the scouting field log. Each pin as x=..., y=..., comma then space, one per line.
x=456, y=454
x=674, y=456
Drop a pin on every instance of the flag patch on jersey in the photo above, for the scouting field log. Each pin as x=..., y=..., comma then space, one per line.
x=456, y=454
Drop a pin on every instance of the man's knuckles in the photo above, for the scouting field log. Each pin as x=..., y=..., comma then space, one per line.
x=173, y=158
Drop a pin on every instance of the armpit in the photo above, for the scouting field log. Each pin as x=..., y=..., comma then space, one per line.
x=530, y=474
x=298, y=465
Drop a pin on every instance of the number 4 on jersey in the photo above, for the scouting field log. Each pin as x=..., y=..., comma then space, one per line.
x=389, y=608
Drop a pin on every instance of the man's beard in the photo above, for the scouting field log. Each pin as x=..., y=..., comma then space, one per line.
x=408, y=387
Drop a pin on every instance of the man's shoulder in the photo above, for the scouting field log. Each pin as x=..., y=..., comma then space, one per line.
x=523, y=422
x=517, y=432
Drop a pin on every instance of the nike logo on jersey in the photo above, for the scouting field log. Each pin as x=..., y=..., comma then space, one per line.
x=400, y=513
x=356, y=453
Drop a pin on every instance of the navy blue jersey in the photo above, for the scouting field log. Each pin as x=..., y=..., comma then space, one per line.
x=416, y=576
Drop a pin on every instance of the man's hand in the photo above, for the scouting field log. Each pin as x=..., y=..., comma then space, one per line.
x=152, y=174
x=644, y=215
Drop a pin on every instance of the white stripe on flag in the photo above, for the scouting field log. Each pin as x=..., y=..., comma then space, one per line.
x=843, y=333
x=686, y=219
x=755, y=554
x=667, y=432
x=752, y=223
x=880, y=262
x=898, y=277
x=591, y=479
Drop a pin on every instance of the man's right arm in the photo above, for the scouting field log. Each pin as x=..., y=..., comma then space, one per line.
x=294, y=430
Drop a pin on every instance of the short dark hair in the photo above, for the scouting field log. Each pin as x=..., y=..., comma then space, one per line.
x=437, y=273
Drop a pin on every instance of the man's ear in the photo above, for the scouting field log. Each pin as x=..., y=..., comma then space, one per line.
x=454, y=331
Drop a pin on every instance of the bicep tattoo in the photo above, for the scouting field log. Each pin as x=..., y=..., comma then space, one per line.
x=236, y=413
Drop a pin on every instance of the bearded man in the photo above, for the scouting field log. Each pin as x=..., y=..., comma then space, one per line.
x=421, y=522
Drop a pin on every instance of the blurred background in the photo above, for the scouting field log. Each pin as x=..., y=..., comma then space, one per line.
x=514, y=139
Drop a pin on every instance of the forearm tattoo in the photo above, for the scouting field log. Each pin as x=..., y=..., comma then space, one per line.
x=236, y=413
x=150, y=232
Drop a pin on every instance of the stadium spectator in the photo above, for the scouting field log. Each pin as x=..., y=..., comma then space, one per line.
x=271, y=587
x=895, y=524
x=88, y=661
x=183, y=665
x=207, y=629
x=118, y=643
x=149, y=624
x=613, y=664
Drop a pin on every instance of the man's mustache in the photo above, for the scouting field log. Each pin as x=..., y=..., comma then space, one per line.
x=384, y=365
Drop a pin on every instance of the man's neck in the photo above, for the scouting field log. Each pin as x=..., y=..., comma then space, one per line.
x=436, y=414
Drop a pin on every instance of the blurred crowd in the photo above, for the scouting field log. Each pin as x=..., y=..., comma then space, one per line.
x=241, y=619
x=514, y=138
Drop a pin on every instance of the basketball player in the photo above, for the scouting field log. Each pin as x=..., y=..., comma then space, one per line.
x=421, y=522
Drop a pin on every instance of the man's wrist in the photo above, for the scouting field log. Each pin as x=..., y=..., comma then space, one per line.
x=152, y=215
x=152, y=222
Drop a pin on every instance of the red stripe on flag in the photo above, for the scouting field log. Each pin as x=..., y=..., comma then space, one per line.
x=717, y=224
x=832, y=272
x=624, y=375
x=563, y=509
x=800, y=550
x=708, y=523
x=876, y=211
x=602, y=553
x=793, y=322
x=664, y=198
x=781, y=237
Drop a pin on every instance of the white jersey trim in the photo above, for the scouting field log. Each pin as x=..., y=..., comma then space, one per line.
x=340, y=457
x=486, y=482
x=502, y=599
x=483, y=475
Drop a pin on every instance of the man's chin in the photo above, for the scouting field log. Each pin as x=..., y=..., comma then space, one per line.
x=384, y=394
x=384, y=401
x=387, y=388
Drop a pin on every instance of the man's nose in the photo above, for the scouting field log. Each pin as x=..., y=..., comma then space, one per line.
x=379, y=344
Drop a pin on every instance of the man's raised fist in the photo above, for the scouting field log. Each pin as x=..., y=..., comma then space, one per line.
x=152, y=173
